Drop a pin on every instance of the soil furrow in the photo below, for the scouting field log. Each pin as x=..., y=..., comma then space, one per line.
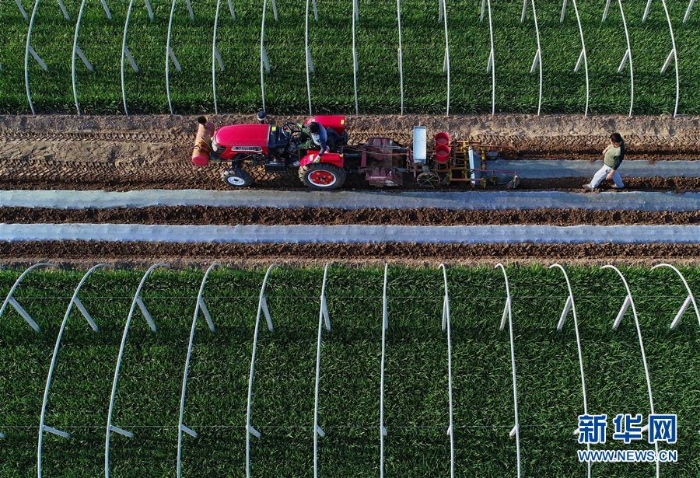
x=74, y=253
x=207, y=215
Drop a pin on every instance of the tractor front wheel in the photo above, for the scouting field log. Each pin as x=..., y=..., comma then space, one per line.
x=322, y=176
x=237, y=178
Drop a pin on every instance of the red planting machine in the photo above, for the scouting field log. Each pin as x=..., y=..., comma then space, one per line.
x=383, y=162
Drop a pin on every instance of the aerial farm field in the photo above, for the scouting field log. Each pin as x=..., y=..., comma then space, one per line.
x=379, y=362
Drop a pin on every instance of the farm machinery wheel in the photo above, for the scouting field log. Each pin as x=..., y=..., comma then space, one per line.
x=428, y=180
x=237, y=178
x=322, y=176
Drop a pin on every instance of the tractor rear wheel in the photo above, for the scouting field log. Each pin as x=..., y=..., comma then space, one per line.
x=322, y=176
x=237, y=178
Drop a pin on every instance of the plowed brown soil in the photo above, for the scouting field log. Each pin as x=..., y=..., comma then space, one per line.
x=137, y=152
x=274, y=216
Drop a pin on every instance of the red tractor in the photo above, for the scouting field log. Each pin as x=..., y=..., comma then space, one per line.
x=276, y=148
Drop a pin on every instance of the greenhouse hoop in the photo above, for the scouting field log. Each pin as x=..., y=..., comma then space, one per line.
x=446, y=328
x=385, y=326
x=400, y=51
x=215, y=56
x=126, y=54
x=309, y=62
x=625, y=305
x=79, y=52
x=446, y=61
x=201, y=305
x=170, y=55
x=355, y=17
x=136, y=301
x=491, y=62
x=13, y=302
x=688, y=300
x=570, y=306
x=54, y=358
x=262, y=308
x=583, y=57
x=323, y=318
x=264, y=62
x=537, y=60
x=508, y=314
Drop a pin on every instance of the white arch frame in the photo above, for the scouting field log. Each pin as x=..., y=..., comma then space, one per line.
x=125, y=49
x=262, y=308
x=54, y=359
x=446, y=62
x=170, y=54
x=447, y=328
x=537, y=61
x=400, y=51
x=307, y=50
x=214, y=56
x=26, y=55
x=9, y=299
x=629, y=56
x=323, y=318
x=355, y=18
x=629, y=301
x=583, y=57
x=264, y=62
x=538, y=54
x=385, y=326
x=628, y=52
x=508, y=315
x=201, y=305
x=73, y=55
x=570, y=305
x=491, y=66
x=15, y=305
x=136, y=301
x=673, y=54
x=688, y=300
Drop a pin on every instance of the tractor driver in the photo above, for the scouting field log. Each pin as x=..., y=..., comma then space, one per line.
x=317, y=137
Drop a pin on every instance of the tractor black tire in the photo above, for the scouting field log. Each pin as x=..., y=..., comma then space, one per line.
x=237, y=178
x=322, y=176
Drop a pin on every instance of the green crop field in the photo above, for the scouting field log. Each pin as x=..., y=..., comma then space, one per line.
x=378, y=82
x=416, y=378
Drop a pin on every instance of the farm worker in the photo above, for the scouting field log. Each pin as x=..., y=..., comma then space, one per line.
x=613, y=155
x=317, y=138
